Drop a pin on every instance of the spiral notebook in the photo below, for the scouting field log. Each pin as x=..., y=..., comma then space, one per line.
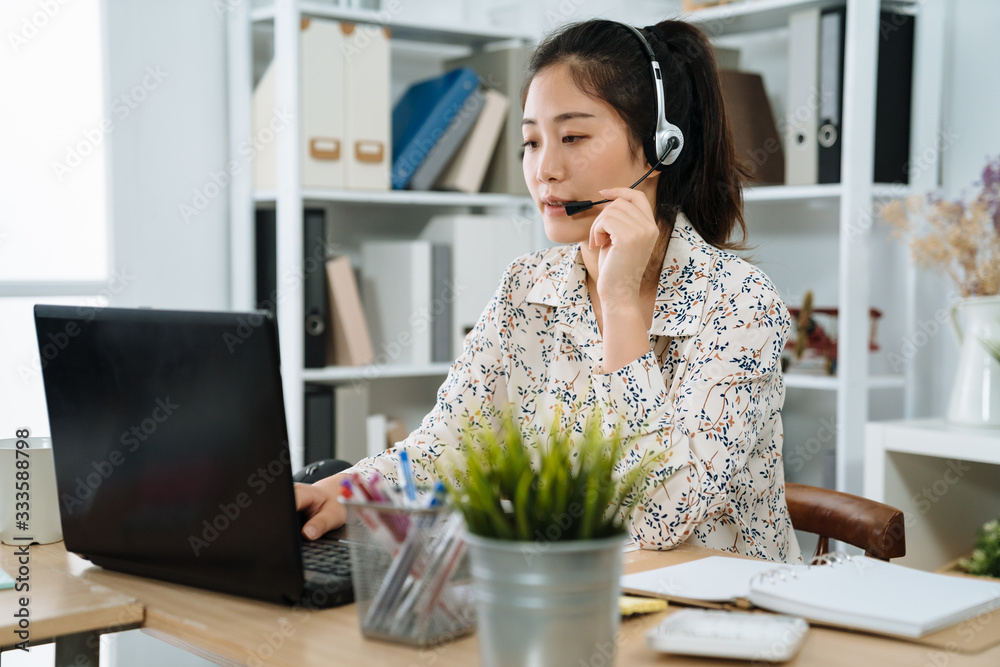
x=857, y=593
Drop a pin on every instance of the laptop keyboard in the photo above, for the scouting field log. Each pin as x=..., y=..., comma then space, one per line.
x=329, y=556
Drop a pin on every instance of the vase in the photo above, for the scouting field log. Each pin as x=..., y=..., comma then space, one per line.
x=975, y=396
x=546, y=604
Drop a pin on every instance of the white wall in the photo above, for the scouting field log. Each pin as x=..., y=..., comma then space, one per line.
x=173, y=141
x=971, y=113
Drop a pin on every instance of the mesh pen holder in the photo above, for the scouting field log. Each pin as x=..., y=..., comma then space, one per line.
x=411, y=573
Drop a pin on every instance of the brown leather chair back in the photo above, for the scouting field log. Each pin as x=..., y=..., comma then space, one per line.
x=875, y=527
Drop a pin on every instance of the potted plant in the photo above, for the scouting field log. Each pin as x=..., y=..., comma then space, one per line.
x=984, y=561
x=962, y=239
x=546, y=520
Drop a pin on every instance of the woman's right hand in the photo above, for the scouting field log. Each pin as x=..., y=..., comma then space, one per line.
x=321, y=503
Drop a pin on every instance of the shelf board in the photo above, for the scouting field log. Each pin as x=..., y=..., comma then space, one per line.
x=886, y=381
x=405, y=197
x=830, y=383
x=828, y=191
x=891, y=191
x=335, y=374
x=768, y=193
x=936, y=437
x=756, y=15
x=409, y=30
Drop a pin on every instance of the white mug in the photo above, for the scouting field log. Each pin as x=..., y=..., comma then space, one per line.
x=29, y=502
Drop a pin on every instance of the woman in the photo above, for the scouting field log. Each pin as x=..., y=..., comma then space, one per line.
x=641, y=315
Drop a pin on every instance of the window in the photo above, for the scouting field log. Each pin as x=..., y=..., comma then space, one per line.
x=54, y=236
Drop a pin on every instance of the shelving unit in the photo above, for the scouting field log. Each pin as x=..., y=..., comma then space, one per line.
x=944, y=478
x=402, y=197
x=289, y=198
x=853, y=197
x=850, y=201
x=337, y=374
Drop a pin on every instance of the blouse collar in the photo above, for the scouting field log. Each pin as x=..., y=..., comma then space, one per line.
x=680, y=297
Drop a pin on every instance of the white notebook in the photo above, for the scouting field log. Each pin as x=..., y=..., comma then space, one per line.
x=860, y=593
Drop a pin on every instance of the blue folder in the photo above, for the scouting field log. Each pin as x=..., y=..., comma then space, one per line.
x=422, y=115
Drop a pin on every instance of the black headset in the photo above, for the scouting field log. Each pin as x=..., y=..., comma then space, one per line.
x=667, y=141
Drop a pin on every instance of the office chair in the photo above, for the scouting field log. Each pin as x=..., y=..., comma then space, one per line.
x=875, y=527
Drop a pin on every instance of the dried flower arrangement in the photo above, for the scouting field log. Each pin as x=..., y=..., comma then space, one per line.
x=960, y=238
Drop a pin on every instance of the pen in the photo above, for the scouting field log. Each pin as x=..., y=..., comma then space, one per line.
x=406, y=474
x=377, y=490
x=437, y=496
x=376, y=527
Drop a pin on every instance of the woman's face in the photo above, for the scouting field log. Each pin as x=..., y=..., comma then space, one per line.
x=574, y=146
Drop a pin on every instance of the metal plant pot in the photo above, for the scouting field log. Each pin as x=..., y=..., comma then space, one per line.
x=546, y=604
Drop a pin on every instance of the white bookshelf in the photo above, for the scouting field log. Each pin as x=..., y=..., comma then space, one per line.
x=402, y=197
x=853, y=198
x=832, y=382
x=405, y=30
x=341, y=374
x=757, y=15
x=944, y=478
x=289, y=198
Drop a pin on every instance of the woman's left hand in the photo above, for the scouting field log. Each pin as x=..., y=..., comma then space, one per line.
x=626, y=233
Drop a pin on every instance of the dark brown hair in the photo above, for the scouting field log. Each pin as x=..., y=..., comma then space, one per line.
x=608, y=63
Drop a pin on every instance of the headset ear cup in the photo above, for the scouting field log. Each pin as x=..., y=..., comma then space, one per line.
x=663, y=141
x=652, y=157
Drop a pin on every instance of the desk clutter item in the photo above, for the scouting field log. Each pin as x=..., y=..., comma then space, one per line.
x=629, y=605
x=411, y=573
x=729, y=634
x=858, y=593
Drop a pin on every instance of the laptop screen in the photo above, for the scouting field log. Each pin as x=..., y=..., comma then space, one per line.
x=170, y=445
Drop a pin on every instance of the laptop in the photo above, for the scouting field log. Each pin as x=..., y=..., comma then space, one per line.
x=171, y=452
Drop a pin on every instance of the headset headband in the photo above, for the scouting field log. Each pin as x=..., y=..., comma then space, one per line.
x=667, y=141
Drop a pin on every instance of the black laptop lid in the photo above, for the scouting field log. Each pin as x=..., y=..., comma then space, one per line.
x=170, y=445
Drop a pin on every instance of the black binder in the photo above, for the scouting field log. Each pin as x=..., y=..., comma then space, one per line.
x=314, y=287
x=831, y=84
x=266, y=264
x=893, y=98
x=318, y=413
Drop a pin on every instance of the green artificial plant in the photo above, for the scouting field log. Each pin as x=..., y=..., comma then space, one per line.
x=559, y=487
x=985, y=557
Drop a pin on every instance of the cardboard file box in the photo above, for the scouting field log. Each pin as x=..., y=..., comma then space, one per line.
x=321, y=110
x=366, y=107
x=343, y=110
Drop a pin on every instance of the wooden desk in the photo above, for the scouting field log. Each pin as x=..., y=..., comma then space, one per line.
x=63, y=606
x=236, y=631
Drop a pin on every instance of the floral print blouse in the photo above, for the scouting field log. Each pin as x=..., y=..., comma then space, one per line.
x=706, y=399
